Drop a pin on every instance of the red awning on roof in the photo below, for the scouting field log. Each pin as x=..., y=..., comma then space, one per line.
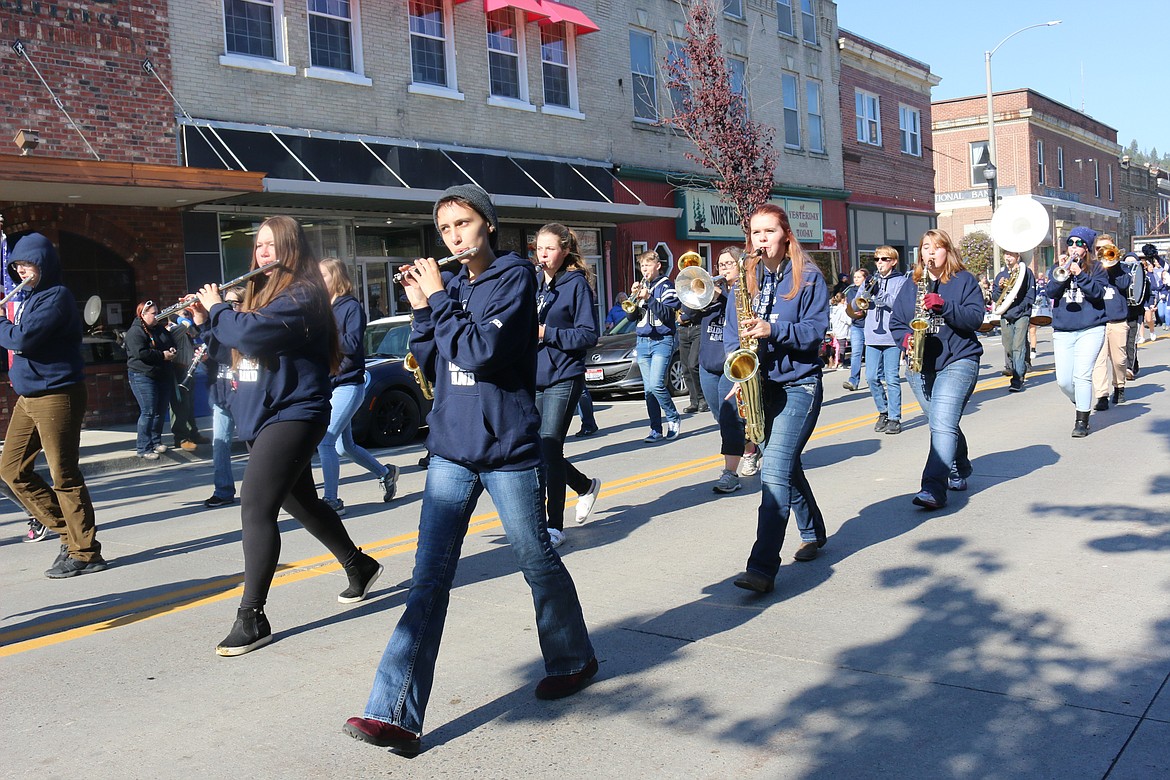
x=558, y=12
x=530, y=7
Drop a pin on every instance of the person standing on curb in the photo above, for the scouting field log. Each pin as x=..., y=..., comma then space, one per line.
x=49, y=376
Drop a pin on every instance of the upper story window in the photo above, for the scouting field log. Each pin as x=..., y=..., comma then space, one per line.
x=816, y=119
x=784, y=17
x=331, y=34
x=1060, y=167
x=869, y=118
x=251, y=28
x=1109, y=170
x=737, y=76
x=431, y=48
x=979, y=158
x=808, y=22
x=558, y=65
x=1096, y=180
x=733, y=8
x=505, y=43
x=1040, y=160
x=676, y=52
x=645, y=83
x=788, y=88
x=910, y=127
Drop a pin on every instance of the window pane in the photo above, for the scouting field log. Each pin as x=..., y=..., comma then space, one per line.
x=426, y=17
x=250, y=28
x=554, y=55
x=556, y=85
x=504, y=74
x=733, y=8
x=503, y=60
x=642, y=72
x=816, y=138
x=784, y=17
x=676, y=53
x=791, y=117
x=809, y=21
x=330, y=7
x=329, y=43
x=428, y=54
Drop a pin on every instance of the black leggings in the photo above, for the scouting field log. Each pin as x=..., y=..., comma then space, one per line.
x=279, y=474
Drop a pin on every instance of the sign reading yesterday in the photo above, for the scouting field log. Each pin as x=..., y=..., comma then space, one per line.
x=706, y=216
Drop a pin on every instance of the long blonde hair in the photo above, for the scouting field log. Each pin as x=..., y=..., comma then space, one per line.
x=567, y=239
x=954, y=262
x=340, y=284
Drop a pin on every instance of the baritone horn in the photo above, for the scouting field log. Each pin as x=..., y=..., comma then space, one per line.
x=695, y=285
x=1108, y=255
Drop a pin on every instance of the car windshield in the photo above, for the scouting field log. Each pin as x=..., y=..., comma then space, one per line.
x=625, y=325
x=387, y=339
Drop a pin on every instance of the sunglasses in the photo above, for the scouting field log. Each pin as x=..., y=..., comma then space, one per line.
x=880, y=259
x=147, y=305
x=1076, y=242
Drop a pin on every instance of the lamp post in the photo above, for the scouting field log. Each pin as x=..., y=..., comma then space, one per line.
x=991, y=159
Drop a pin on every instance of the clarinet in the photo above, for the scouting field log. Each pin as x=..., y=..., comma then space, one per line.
x=199, y=353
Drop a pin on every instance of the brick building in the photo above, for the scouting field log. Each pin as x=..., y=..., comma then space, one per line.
x=888, y=164
x=1144, y=195
x=1056, y=155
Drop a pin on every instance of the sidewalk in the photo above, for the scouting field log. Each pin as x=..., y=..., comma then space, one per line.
x=110, y=450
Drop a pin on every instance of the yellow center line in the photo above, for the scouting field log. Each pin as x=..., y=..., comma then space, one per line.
x=24, y=639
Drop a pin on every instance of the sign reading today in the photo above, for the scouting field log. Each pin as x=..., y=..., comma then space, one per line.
x=706, y=216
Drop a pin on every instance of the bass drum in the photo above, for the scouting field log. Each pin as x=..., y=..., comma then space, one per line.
x=1041, y=312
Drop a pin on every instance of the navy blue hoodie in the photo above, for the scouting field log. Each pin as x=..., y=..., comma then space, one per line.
x=659, y=312
x=792, y=352
x=221, y=380
x=351, y=331
x=713, y=319
x=1022, y=304
x=476, y=342
x=1116, y=304
x=958, y=324
x=46, y=339
x=567, y=309
x=1081, y=305
x=283, y=373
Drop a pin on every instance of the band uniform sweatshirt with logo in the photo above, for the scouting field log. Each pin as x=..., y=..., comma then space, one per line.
x=958, y=323
x=877, y=319
x=567, y=309
x=1022, y=305
x=476, y=342
x=1079, y=301
x=659, y=312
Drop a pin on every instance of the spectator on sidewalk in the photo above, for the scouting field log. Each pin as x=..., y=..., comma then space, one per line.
x=150, y=350
x=48, y=375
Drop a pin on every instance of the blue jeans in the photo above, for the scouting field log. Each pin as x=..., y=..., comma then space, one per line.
x=654, y=356
x=338, y=439
x=790, y=414
x=556, y=404
x=1075, y=353
x=153, y=396
x=856, y=350
x=223, y=430
x=726, y=413
x=943, y=396
x=585, y=409
x=402, y=683
x=882, y=367
x=1015, y=346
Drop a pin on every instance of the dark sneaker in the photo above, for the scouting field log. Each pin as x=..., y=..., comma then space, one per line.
x=383, y=734
x=389, y=483
x=215, y=502
x=362, y=573
x=71, y=567
x=35, y=533
x=250, y=631
x=894, y=427
x=62, y=554
x=1102, y=403
x=807, y=551
x=1118, y=395
x=558, y=686
x=336, y=504
x=882, y=422
x=585, y=431
x=753, y=580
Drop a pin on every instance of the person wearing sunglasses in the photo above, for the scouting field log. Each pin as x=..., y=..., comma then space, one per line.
x=883, y=357
x=1077, y=289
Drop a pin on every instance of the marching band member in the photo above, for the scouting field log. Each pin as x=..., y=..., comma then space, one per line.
x=285, y=343
x=949, y=297
x=658, y=307
x=883, y=357
x=856, y=331
x=1015, y=320
x=1078, y=322
x=791, y=316
x=476, y=339
x=567, y=312
x=1109, y=369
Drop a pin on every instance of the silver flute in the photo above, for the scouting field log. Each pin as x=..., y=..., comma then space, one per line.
x=446, y=261
x=176, y=307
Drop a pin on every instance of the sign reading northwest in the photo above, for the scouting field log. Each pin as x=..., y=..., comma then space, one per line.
x=706, y=216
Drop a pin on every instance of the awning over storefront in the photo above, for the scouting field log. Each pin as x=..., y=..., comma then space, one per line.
x=362, y=173
x=34, y=179
x=532, y=8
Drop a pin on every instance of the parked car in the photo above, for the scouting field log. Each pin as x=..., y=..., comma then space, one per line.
x=394, y=407
x=611, y=367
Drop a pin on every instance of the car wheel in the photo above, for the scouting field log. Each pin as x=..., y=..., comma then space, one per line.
x=394, y=420
x=676, y=378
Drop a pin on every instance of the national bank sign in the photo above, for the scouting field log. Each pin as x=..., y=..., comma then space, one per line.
x=706, y=216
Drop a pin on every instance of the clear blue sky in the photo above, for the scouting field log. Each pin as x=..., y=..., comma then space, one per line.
x=1120, y=47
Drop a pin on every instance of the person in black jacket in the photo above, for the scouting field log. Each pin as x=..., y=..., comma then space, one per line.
x=221, y=384
x=1015, y=319
x=284, y=342
x=349, y=390
x=150, y=351
x=48, y=374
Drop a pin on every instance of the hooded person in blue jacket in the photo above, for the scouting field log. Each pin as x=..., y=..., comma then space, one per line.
x=284, y=343
x=791, y=306
x=47, y=372
x=475, y=339
x=567, y=313
x=947, y=295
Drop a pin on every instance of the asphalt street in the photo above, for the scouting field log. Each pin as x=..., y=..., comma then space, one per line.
x=1021, y=632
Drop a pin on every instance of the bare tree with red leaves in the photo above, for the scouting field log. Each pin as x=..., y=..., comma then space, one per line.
x=715, y=117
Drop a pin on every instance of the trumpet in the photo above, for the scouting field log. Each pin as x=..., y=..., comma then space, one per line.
x=443, y=264
x=631, y=304
x=1060, y=274
x=1108, y=255
x=857, y=308
x=188, y=300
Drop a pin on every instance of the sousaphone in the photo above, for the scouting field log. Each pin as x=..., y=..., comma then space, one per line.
x=1019, y=225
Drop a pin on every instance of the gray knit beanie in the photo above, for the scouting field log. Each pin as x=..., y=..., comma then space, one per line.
x=476, y=197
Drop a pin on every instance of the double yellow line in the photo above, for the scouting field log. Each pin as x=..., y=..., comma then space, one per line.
x=53, y=632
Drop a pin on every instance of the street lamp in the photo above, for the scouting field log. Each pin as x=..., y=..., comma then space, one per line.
x=991, y=110
x=989, y=172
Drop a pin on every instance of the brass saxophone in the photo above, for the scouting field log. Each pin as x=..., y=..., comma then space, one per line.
x=919, y=326
x=743, y=365
x=424, y=384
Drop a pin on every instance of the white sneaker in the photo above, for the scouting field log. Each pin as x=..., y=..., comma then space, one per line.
x=1153, y=336
x=585, y=503
x=750, y=465
x=556, y=537
x=673, y=429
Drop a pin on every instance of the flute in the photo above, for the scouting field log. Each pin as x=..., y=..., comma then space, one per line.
x=455, y=258
x=15, y=290
x=174, y=307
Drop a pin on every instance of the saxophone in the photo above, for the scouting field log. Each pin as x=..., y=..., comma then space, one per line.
x=411, y=364
x=920, y=326
x=743, y=365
